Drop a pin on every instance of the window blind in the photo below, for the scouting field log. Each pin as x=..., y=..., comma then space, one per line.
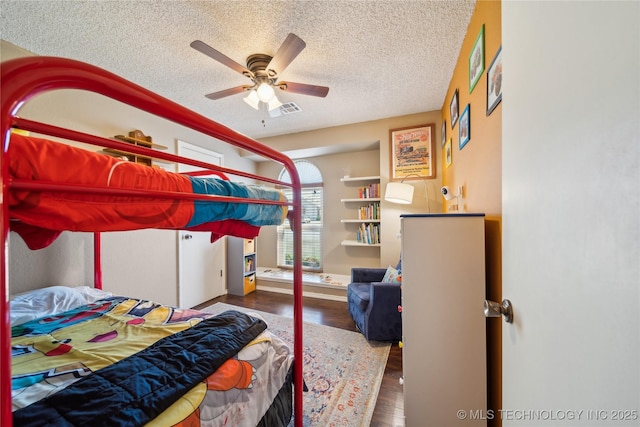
x=311, y=232
x=312, y=220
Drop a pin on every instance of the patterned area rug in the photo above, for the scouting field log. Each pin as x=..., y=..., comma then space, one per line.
x=341, y=369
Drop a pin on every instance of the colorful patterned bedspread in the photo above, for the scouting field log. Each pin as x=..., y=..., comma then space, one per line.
x=49, y=354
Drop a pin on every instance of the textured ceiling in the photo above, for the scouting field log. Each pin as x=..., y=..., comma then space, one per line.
x=380, y=59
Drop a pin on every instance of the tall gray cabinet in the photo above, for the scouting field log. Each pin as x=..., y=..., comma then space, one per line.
x=443, y=323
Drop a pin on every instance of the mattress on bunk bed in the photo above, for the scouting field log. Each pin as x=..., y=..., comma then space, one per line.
x=44, y=214
x=74, y=365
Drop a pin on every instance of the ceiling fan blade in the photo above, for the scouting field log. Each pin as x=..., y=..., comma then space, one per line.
x=304, y=89
x=287, y=52
x=228, y=92
x=202, y=47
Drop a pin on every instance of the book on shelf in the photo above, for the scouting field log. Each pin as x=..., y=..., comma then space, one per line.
x=368, y=234
x=371, y=191
x=371, y=211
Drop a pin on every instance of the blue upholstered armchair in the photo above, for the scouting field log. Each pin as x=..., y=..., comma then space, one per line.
x=373, y=305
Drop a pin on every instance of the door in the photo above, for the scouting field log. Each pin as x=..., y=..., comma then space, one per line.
x=571, y=213
x=201, y=264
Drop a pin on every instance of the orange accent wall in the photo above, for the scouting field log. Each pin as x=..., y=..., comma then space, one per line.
x=478, y=168
x=478, y=165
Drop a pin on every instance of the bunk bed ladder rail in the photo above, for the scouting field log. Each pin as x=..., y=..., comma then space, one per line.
x=21, y=79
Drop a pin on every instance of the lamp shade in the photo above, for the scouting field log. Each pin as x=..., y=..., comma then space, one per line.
x=398, y=192
x=265, y=92
x=252, y=99
x=274, y=103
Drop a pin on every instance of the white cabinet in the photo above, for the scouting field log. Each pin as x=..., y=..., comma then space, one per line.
x=443, y=323
x=364, y=202
x=241, y=265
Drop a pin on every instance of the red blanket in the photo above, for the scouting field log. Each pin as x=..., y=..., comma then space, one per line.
x=43, y=215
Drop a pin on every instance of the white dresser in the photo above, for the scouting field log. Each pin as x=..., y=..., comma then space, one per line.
x=443, y=323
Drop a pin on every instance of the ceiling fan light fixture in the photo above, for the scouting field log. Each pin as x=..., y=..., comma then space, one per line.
x=274, y=103
x=265, y=92
x=253, y=99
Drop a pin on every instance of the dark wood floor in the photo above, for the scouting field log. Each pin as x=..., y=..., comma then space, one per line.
x=389, y=410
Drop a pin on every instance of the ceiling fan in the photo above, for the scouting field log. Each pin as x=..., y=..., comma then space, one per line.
x=263, y=70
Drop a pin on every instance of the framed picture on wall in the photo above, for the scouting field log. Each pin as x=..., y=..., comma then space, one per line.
x=476, y=60
x=412, y=152
x=443, y=133
x=464, y=127
x=453, y=109
x=447, y=153
x=494, y=82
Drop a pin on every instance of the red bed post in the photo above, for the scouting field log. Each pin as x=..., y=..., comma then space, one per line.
x=297, y=294
x=5, y=327
x=97, y=262
x=5, y=331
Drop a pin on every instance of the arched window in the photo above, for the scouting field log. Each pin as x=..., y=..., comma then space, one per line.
x=312, y=219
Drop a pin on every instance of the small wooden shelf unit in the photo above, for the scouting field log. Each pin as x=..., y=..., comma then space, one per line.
x=241, y=265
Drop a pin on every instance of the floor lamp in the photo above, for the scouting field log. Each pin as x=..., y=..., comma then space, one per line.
x=399, y=192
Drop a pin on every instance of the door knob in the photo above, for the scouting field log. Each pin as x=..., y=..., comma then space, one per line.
x=495, y=309
x=187, y=237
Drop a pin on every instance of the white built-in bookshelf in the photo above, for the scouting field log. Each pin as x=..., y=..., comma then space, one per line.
x=365, y=204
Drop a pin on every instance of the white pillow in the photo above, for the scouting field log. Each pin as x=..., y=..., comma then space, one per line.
x=51, y=300
x=92, y=294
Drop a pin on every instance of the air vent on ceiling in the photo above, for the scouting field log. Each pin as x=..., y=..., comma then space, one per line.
x=290, y=108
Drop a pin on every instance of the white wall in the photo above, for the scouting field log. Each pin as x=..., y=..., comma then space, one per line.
x=571, y=210
x=140, y=263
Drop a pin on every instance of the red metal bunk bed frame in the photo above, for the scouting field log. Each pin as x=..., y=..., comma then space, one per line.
x=21, y=79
